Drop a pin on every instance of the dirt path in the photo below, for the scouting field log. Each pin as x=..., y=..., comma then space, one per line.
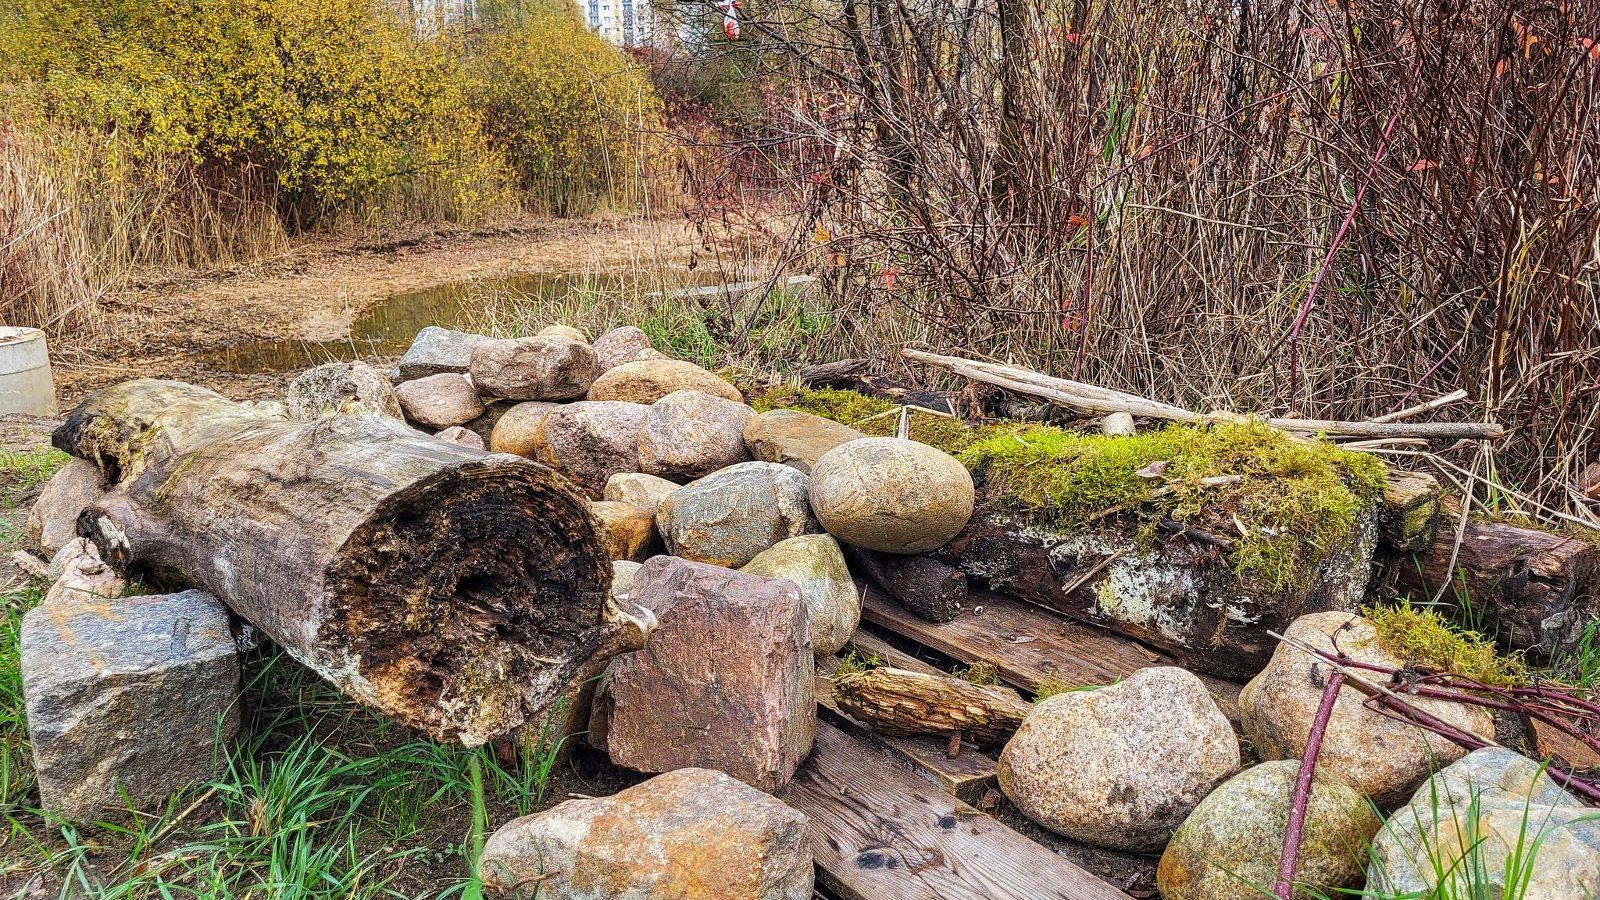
x=166, y=326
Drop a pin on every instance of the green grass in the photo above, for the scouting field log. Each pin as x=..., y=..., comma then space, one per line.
x=24, y=469
x=1581, y=667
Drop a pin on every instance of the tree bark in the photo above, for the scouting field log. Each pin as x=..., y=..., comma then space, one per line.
x=1531, y=589
x=456, y=591
x=901, y=702
x=922, y=585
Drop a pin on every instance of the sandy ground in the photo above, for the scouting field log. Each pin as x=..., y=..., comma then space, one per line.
x=164, y=326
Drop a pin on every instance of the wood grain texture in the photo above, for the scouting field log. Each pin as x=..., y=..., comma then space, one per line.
x=1410, y=518
x=882, y=834
x=903, y=702
x=1029, y=645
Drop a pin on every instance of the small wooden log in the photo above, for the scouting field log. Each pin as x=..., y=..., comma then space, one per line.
x=852, y=375
x=902, y=702
x=457, y=591
x=1410, y=519
x=1532, y=589
x=926, y=586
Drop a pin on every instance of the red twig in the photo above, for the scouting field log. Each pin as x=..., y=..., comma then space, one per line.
x=1295, y=829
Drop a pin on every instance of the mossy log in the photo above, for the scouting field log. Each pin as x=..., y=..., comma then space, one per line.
x=901, y=702
x=1410, y=519
x=456, y=591
x=1177, y=591
x=925, y=586
x=1531, y=589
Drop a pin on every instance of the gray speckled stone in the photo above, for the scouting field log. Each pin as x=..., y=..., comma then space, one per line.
x=126, y=695
x=1120, y=766
x=438, y=350
x=691, y=434
x=1493, y=799
x=340, y=387
x=729, y=516
x=891, y=495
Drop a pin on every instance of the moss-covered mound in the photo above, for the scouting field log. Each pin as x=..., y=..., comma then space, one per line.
x=1286, y=505
x=1422, y=636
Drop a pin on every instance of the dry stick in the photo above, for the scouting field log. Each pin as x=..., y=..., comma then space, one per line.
x=1099, y=400
x=1435, y=403
x=1295, y=829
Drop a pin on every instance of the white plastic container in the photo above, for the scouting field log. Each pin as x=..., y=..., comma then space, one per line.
x=25, y=382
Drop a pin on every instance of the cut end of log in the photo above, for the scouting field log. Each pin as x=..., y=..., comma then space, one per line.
x=468, y=596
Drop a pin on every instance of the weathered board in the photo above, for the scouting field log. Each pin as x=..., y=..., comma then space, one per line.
x=878, y=833
x=1028, y=645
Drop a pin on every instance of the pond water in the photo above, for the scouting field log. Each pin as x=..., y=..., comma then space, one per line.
x=388, y=327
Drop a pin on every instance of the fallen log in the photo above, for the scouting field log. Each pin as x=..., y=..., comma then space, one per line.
x=923, y=585
x=456, y=591
x=1530, y=589
x=902, y=702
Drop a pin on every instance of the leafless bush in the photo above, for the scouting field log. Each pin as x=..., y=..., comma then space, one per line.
x=1329, y=208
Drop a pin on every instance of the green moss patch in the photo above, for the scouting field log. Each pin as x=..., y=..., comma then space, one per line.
x=1424, y=637
x=1285, y=506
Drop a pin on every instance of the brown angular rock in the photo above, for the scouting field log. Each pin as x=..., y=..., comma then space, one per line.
x=648, y=380
x=589, y=441
x=544, y=367
x=439, y=401
x=513, y=432
x=1382, y=757
x=692, y=433
x=626, y=530
x=794, y=438
x=623, y=345
x=692, y=834
x=725, y=681
x=53, y=520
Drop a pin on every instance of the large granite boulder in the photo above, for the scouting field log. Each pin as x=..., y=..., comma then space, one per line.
x=126, y=699
x=816, y=566
x=589, y=441
x=341, y=387
x=543, y=367
x=794, y=438
x=1383, y=757
x=1120, y=766
x=1229, y=847
x=724, y=682
x=648, y=380
x=691, y=433
x=438, y=350
x=624, y=344
x=1491, y=824
x=513, y=432
x=440, y=401
x=686, y=835
x=891, y=495
x=729, y=516
x=53, y=519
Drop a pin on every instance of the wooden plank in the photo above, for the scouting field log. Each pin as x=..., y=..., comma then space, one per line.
x=966, y=777
x=878, y=833
x=1027, y=644
x=869, y=646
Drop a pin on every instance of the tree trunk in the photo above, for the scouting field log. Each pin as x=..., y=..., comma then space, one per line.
x=922, y=585
x=457, y=591
x=1178, y=591
x=1531, y=589
x=901, y=702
